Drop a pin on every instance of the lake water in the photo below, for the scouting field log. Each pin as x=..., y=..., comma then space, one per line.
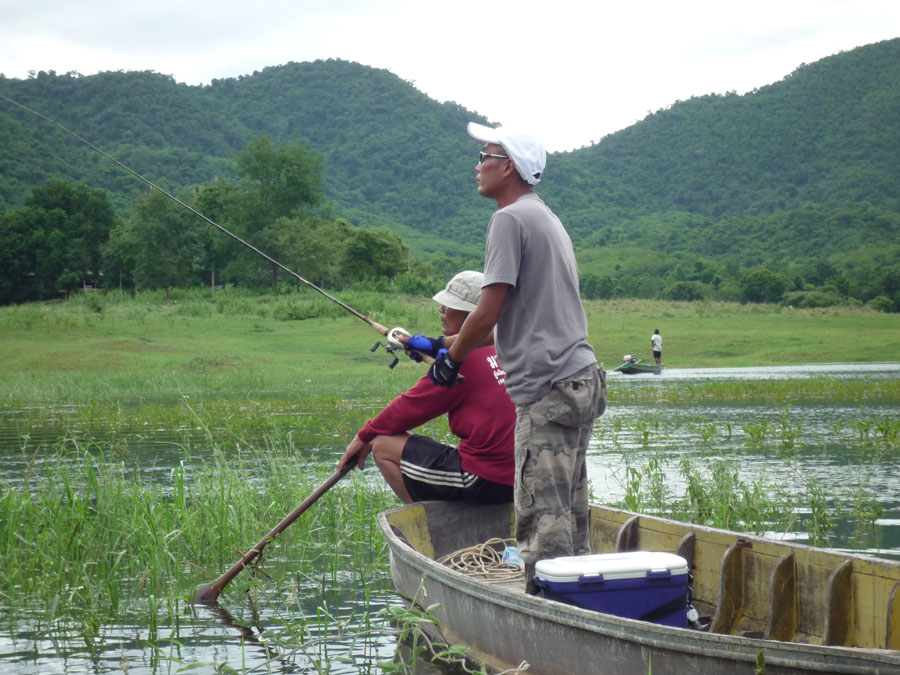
x=825, y=440
x=798, y=446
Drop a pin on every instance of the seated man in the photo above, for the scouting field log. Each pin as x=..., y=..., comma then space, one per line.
x=479, y=411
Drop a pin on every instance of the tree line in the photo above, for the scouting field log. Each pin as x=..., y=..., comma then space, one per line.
x=779, y=257
x=68, y=236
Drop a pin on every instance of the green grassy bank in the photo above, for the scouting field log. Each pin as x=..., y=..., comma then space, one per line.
x=721, y=334
x=304, y=345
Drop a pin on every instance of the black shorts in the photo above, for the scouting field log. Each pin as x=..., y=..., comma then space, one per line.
x=432, y=470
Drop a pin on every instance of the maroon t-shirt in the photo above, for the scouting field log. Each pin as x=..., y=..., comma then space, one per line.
x=478, y=410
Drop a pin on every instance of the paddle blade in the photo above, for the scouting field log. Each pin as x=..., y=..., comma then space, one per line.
x=207, y=594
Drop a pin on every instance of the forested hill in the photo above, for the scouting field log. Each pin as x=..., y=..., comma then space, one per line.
x=827, y=134
x=826, y=137
x=389, y=149
x=391, y=154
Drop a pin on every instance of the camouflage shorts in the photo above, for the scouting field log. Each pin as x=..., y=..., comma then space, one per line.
x=551, y=492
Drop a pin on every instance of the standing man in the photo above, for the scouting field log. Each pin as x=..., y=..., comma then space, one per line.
x=530, y=302
x=481, y=467
x=656, y=343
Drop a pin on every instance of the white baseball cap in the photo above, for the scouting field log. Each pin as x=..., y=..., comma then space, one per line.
x=462, y=291
x=525, y=149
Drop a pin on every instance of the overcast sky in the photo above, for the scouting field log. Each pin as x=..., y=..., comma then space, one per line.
x=572, y=72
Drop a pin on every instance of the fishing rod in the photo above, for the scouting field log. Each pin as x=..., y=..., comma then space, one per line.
x=392, y=334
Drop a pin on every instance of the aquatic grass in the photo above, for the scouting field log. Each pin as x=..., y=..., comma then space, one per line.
x=699, y=486
x=91, y=538
x=318, y=625
x=712, y=494
x=777, y=393
x=416, y=644
x=183, y=422
x=324, y=641
x=646, y=488
x=704, y=430
x=718, y=497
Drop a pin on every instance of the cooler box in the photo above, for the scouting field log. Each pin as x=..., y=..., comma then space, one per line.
x=645, y=585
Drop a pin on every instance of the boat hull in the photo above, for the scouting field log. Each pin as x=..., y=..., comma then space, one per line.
x=504, y=627
x=639, y=368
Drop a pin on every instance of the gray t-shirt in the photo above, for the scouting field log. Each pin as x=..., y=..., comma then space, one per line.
x=541, y=336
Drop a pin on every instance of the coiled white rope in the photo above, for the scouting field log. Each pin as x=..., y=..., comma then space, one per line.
x=485, y=561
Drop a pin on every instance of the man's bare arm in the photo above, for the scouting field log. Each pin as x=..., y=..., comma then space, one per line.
x=478, y=328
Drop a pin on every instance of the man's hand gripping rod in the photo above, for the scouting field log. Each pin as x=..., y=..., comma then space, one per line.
x=394, y=345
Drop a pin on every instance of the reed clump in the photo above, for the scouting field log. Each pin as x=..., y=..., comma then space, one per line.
x=91, y=537
x=776, y=393
x=689, y=468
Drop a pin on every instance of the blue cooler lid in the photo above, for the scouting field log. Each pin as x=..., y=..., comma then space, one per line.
x=609, y=566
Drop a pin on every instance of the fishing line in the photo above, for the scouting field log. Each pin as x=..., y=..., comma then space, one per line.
x=381, y=329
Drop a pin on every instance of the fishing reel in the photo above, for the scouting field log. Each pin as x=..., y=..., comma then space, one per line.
x=393, y=344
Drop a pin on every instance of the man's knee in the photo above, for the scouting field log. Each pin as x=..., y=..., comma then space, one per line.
x=389, y=448
x=378, y=445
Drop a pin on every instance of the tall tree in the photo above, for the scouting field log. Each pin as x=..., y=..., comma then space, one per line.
x=279, y=180
x=276, y=182
x=374, y=253
x=17, y=259
x=55, y=241
x=165, y=240
x=217, y=202
x=762, y=285
x=312, y=247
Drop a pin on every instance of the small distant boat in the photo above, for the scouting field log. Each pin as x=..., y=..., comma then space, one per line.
x=765, y=606
x=633, y=366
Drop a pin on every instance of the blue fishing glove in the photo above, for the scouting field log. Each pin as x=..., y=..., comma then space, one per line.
x=444, y=370
x=424, y=345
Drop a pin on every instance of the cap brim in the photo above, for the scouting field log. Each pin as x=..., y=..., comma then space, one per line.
x=453, y=302
x=484, y=134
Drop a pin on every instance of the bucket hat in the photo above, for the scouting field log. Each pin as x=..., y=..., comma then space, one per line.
x=462, y=291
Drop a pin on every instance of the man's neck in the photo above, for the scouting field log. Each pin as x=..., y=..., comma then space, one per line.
x=512, y=194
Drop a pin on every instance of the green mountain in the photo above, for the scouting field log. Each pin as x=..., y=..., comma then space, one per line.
x=808, y=167
x=392, y=155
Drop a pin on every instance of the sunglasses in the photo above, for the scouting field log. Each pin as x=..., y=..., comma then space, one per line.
x=485, y=155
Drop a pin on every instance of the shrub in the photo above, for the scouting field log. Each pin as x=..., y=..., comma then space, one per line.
x=293, y=309
x=762, y=285
x=816, y=298
x=412, y=283
x=92, y=301
x=684, y=290
x=883, y=304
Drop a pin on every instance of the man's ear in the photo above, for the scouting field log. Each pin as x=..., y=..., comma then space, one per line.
x=510, y=167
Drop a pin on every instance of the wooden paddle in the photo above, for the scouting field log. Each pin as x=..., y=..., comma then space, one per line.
x=209, y=593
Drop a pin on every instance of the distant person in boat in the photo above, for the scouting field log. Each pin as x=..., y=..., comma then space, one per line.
x=656, y=344
x=531, y=305
x=481, y=468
